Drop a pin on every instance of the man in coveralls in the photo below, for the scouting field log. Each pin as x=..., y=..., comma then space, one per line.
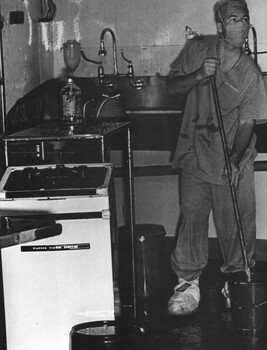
x=199, y=152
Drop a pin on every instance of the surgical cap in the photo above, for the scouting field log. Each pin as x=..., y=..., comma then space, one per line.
x=224, y=9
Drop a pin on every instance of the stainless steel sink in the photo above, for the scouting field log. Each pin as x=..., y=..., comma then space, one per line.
x=152, y=96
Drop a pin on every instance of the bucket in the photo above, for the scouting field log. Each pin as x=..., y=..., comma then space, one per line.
x=102, y=335
x=249, y=302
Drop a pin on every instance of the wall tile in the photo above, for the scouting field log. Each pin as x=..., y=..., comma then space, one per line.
x=151, y=32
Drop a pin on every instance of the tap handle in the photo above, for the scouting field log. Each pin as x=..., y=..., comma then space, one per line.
x=101, y=74
x=89, y=59
x=137, y=84
x=125, y=59
x=130, y=65
x=109, y=84
x=101, y=71
x=130, y=70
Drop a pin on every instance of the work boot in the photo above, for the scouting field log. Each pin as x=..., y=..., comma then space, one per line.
x=185, y=299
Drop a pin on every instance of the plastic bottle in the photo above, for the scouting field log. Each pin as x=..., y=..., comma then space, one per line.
x=70, y=96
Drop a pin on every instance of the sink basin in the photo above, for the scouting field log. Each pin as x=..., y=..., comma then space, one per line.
x=152, y=96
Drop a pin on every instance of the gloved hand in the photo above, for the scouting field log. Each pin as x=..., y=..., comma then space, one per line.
x=235, y=173
x=208, y=67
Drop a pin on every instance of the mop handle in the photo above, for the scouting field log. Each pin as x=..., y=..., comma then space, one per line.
x=229, y=171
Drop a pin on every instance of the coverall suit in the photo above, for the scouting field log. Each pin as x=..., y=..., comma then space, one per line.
x=199, y=153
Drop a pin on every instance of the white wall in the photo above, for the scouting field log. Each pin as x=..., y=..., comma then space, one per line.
x=151, y=32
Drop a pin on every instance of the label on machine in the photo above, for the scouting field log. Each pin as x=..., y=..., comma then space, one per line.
x=55, y=247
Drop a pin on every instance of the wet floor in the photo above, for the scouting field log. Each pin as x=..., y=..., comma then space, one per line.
x=212, y=327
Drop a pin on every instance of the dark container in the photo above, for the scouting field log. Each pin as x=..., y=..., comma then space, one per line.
x=102, y=335
x=249, y=303
x=149, y=247
x=149, y=263
x=149, y=258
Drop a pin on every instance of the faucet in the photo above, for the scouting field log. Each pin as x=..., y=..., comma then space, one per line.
x=137, y=84
x=102, y=51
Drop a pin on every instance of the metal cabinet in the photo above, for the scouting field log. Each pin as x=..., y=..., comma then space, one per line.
x=52, y=143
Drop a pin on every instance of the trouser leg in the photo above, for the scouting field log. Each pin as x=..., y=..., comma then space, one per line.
x=191, y=252
x=225, y=221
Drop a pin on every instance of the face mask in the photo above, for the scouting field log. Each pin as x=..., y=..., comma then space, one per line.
x=236, y=34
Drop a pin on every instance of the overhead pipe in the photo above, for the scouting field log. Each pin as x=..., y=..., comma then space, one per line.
x=2, y=78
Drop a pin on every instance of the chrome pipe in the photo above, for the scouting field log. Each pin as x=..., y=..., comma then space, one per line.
x=102, y=51
x=2, y=80
x=255, y=49
x=255, y=52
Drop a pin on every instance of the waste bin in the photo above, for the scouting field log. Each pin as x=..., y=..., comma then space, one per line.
x=149, y=271
x=149, y=258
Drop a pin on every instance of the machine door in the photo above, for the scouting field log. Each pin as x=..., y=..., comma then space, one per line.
x=52, y=284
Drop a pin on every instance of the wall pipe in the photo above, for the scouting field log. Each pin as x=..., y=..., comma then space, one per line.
x=2, y=79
